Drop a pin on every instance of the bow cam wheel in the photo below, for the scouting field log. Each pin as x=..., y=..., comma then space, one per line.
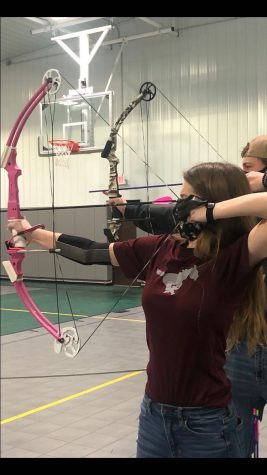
x=148, y=89
x=56, y=80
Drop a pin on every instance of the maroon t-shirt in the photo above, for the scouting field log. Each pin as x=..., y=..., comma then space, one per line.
x=189, y=309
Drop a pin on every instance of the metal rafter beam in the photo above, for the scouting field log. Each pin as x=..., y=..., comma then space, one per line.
x=149, y=21
x=36, y=19
x=142, y=35
x=57, y=26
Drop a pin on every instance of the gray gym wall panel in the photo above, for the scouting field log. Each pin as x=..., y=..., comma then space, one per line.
x=78, y=221
x=215, y=74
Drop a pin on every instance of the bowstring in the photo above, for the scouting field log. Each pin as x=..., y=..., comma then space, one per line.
x=56, y=261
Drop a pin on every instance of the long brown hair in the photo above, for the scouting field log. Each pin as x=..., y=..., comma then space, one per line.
x=219, y=181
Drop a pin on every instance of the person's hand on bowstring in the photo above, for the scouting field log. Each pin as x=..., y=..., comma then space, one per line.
x=255, y=181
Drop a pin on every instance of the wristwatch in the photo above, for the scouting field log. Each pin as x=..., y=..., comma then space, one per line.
x=209, y=212
x=264, y=180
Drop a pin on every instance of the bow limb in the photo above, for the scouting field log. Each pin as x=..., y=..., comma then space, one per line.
x=147, y=93
x=67, y=337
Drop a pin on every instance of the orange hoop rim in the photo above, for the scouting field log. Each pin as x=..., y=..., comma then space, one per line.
x=70, y=144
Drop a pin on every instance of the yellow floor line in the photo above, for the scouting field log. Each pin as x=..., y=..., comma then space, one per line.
x=123, y=319
x=47, y=313
x=75, y=315
x=69, y=398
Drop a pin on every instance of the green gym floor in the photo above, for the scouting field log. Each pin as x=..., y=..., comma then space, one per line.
x=86, y=301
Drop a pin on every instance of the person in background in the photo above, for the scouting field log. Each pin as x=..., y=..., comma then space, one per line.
x=254, y=157
x=246, y=365
x=193, y=292
x=246, y=369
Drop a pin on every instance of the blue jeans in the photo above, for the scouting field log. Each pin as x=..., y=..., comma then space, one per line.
x=187, y=432
x=248, y=375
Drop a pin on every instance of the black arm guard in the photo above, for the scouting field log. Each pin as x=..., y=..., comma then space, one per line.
x=84, y=251
x=153, y=219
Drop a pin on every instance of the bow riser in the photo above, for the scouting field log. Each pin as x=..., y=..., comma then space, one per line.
x=113, y=188
x=13, y=171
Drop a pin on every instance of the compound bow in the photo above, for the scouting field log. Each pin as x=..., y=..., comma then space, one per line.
x=66, y=338
x=147, y=92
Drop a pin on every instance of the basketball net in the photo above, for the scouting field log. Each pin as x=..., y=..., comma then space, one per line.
x=62, y=150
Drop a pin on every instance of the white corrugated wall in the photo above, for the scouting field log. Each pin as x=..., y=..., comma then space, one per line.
x=215, y=75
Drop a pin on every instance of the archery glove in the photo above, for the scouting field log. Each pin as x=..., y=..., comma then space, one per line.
x=181, y=212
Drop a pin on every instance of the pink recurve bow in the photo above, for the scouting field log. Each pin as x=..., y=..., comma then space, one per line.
x=66, y=338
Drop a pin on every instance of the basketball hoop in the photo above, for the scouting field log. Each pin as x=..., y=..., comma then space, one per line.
x=62, y=150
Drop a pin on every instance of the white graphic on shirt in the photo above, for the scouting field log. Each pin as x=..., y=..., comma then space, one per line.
x=173, y=282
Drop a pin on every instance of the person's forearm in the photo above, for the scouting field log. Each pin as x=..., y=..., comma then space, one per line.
x=44, y=238
x=254, y=204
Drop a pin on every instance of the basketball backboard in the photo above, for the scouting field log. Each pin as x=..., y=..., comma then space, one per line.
x=85, y=118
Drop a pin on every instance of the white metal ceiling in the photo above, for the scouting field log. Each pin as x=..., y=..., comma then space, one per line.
x=21, y=36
